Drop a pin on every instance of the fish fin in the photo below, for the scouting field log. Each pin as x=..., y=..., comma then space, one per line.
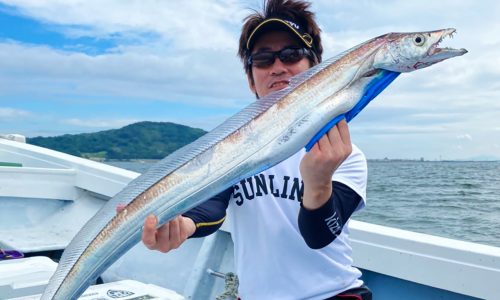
x=323, y=130
x=371, y=91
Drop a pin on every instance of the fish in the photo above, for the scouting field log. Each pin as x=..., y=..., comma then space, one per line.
x=258, y=137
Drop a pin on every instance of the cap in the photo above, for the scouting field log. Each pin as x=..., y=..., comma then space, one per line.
x=279, y=24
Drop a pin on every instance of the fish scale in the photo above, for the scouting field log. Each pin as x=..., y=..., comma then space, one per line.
x=260, y=136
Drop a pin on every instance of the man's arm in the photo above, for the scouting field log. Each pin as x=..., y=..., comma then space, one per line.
x=209, y=216
x=320, y=226
x=327, y=206
x=200, y=221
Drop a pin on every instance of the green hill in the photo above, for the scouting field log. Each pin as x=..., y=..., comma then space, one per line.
x=143, y=140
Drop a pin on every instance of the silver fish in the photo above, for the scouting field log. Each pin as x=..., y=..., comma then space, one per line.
x=258, y=137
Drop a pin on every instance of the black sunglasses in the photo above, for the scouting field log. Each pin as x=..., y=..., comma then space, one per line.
x=288, y=55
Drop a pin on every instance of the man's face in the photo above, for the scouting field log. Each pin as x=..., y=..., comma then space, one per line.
x=276, y=76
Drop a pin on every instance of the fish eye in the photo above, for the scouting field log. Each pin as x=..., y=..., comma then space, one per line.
x=419, y=40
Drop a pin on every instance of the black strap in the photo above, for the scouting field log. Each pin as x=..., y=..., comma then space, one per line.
x=360, y=293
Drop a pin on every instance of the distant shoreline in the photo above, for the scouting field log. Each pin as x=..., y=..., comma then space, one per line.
x=148, y=160
x=152, y=141
x=141, y=160
x=432, y=160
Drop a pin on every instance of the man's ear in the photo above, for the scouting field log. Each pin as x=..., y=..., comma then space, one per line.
x=251, y=83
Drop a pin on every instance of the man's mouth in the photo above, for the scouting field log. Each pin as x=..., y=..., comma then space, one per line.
x=279, y=84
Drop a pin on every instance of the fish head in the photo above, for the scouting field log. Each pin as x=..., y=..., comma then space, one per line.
x=406, y=52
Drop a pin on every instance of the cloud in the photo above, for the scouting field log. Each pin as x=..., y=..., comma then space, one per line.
x=206, y=123
x=173, y=51
x=398, y=130
x=184, y=53
x=465, y=136
x=185, y=77
x=97, y=123
x=12, y=113
x=195, y=24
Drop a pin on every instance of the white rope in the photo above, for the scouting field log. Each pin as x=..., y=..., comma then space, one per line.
x=231, y=287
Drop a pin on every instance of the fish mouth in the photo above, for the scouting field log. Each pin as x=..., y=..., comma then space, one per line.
x=446, y=51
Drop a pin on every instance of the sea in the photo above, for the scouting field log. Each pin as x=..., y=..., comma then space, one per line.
x=453, y=199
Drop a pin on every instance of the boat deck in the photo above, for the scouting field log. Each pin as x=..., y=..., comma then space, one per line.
x=46, y=196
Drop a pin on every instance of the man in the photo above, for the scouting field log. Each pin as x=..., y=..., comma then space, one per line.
x=288, y=222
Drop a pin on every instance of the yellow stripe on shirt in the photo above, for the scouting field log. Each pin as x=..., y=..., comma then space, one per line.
x=198, y=225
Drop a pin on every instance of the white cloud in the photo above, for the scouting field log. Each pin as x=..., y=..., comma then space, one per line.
x=12, y=113
x=187, y=77
x=185, y=52
x=195, y=24
x=206, y=123
x=465, y=136
x=96, y=123
x=401, y=129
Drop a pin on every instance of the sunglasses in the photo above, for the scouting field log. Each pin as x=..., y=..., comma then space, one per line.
x=288, y=55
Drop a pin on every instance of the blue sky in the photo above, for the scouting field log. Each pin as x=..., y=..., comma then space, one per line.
x=85, y=66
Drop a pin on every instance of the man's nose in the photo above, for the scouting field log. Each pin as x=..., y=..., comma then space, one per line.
x=278, y=67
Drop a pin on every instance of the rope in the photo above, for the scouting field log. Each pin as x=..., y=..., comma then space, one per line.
x=231, y=287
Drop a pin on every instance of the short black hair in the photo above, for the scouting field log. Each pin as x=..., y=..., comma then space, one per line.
x=292, y=10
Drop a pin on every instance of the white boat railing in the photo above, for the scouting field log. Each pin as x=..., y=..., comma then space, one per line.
x=14, y=137
x=89, y=175
x=47, y=195
x=58, y=184
x=462, y=267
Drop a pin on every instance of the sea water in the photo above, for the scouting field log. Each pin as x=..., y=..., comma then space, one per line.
x=454, y=199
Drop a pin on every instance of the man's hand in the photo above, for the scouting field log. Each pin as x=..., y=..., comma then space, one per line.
x=319, y=164
x=167, y=237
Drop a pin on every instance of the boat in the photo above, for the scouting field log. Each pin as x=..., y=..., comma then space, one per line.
x=46, y=196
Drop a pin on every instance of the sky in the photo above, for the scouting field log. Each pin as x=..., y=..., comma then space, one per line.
x=77, y=66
